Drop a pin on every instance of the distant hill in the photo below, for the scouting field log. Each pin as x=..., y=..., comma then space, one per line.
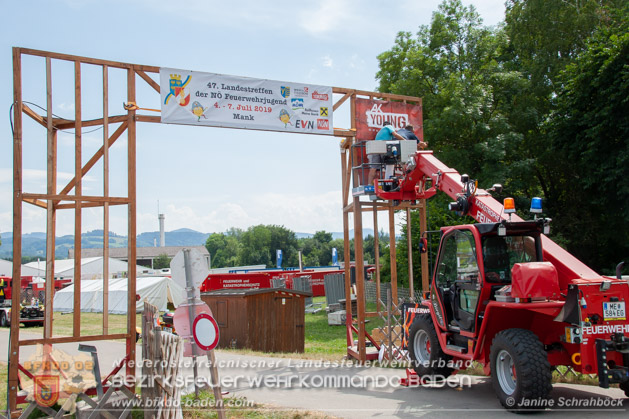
x=34, y=244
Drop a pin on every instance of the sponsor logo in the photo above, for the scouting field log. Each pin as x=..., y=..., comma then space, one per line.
x=178, y=89
x=301, y=124
x=285, y=91
x=303, y=92
x=376, y=117
x=46, y=389
x=323, y=124
x=323, y=111
x=297, y=103
x=319, y=96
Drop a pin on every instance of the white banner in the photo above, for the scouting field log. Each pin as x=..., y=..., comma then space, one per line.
x=195, y=98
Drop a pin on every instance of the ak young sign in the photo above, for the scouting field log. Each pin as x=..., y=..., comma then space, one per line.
x=371, y=115
x=195, y=98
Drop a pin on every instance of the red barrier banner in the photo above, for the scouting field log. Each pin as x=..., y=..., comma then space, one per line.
x=371, y=115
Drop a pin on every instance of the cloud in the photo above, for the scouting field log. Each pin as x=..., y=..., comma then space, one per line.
x=327, y=61
x=300, y=213
x=66, y=107
x=325, y=17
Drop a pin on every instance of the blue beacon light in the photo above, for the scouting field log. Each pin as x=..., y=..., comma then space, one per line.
x=536, y=205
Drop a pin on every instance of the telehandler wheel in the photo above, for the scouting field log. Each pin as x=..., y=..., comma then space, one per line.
x=3, y=319
x=520, y=371
x=426, y=355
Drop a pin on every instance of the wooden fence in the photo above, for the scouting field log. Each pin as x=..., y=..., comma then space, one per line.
x=161, y=361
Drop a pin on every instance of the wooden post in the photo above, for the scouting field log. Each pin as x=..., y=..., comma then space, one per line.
x=392, y=253
x=346, y=250
x=132, y=239
x=389, y=329
x=14, y=350
x=410, y=253
x=78, y=164
x=376, y=245
x=106, y=204
x=51, y=218
x=216, y=388
x=360, y=278
x=423, y=225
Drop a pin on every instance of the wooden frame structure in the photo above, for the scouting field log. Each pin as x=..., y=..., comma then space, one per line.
x=72, y=197
x=358, y=207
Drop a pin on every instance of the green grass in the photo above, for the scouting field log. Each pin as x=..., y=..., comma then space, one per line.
x=91, y=324
x=3, y=386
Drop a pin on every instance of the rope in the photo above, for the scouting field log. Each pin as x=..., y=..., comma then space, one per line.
x=132, y=106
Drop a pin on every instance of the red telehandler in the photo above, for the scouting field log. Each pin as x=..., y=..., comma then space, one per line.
x=505, y=295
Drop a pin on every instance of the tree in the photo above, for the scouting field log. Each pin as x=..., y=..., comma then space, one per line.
x=260, y=242
x=457, y=66
x=590, y=127
x=544, y=37
x=162, y=261
x=224, y=248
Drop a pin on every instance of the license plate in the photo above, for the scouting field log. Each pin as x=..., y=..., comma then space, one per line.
x=168, y=329
x=614, y=311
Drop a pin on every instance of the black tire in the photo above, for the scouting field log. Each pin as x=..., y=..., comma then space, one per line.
x=3, y=319
x=428, y=359
x=625, y=387
x=520, y=371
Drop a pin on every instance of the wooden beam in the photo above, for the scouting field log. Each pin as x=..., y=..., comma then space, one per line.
x=347, y=259
x=105, y=149
x=360, y=279
x=87, y=60
x=379, y=95
x=132, y=239
x=95, y=158
x=91, y=204
x=36, y=202
x=148, y=118
x=376, y=246
x=14, y=345
x=344, y=132
x=51, y=218
x=75, y=198
x=65, y=124
x=34, y=115
x=342, y=100
x=78, y=175
x=393, y=256
x=72, y=339
x=149, y=80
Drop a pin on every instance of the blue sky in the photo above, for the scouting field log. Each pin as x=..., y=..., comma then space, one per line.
x=207, y=179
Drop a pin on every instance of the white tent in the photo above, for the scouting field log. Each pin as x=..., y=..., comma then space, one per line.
x=6, y=268
x=158, y=291
x=91, y=268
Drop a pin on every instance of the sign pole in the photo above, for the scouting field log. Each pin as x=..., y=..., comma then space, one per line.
x=191, y=313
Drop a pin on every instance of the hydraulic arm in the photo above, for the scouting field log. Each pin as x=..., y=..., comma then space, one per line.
x=423, y=175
